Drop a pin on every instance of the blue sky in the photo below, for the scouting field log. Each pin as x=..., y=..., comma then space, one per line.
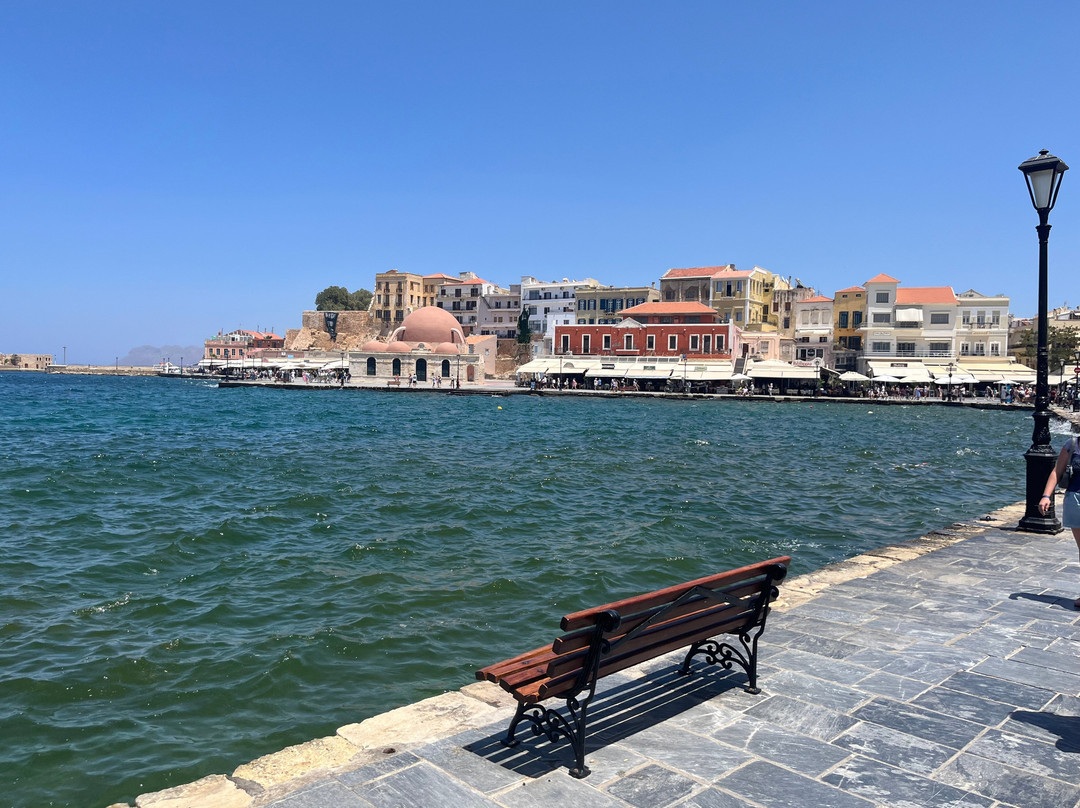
x=171, y=169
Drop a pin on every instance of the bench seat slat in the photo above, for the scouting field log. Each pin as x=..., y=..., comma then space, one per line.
x=720, y=620
x=582, y=637
x=533, y=657
x=640, y=603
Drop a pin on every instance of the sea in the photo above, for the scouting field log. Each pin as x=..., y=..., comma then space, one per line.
x=192, y=577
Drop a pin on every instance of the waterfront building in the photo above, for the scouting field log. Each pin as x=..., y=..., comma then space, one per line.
x=691, y=284
x=428, y=343
x=654, y=329
x=605, y=304
x=239, y=344
x=909, y=332
x=849, y=308
x=783, y=300
x=550, y=304
x=397, y=294
x=813, y=318
x=983, y=328
x=25, y=361
x=463, y=298
x=498, y=312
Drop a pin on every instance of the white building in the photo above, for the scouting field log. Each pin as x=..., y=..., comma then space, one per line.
x=983, y=329
x=813, y=329
x=462, y=299
x=498, y=312
x=550, y=304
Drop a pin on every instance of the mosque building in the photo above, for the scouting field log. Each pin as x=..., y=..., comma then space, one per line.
x=429, y=343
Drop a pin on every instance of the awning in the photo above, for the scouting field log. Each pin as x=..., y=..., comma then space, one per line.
x=774, y=369
x=542, y=365
x=901, y=369
x=607, y=372
x=908, y=316
x=640, y=372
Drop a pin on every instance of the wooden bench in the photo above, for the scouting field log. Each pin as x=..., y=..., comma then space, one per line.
x=610, y=638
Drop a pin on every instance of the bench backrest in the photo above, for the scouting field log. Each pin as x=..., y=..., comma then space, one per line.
x=640, y=628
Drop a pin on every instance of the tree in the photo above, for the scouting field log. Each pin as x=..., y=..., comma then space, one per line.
x=1062, y=341
x=360, y=300
x=524, y=333
x=15, y=359
x=338, y=298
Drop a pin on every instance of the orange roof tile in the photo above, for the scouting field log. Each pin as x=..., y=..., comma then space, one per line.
x=691, y=307
x=883, y=278
x=852, y=289
x=925, y=294
x=439, y=276
x=818, y=299
x=697, y=272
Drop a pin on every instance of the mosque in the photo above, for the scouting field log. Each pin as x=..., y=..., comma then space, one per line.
x=429, y=343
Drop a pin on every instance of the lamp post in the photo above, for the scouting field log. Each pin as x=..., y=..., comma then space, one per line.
x=1043, y=175
x=948, y=393
x=65, y=356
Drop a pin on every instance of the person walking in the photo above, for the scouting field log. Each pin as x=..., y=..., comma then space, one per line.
x=1069, y=457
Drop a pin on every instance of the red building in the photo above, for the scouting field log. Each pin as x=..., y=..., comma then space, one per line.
x=240, y=343
x=654, y=329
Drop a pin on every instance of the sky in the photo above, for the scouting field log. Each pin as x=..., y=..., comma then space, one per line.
x=169, y=170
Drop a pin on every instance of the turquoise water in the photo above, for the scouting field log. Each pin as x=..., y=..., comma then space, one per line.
x=193, y=577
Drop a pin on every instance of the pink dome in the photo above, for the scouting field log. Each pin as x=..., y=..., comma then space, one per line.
x=431, y=325
x=447, y=347
x=398, y=347
x=374, y=346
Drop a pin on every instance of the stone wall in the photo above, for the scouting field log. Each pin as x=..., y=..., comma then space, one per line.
x=354, y=328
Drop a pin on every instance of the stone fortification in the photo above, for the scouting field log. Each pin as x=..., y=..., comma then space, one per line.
x=353, y=329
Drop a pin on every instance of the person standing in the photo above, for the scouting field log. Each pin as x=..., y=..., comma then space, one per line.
x=1070, y=512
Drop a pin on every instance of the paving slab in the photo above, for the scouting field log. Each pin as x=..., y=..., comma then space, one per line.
x=943, y=672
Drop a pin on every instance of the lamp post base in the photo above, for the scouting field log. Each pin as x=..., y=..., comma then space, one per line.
x=1040, y=461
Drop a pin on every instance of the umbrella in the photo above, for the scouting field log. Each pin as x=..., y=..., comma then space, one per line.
x=852, y=376
x=887, y=379
x=739, y=377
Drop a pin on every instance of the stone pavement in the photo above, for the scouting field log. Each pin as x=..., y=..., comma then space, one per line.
x=940, y=672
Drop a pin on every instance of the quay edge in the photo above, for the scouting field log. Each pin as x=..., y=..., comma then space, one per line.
x=276, y=775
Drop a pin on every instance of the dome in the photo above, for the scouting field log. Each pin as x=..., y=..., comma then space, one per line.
x=431, y=325
x=398, y=347
x=447, y=347
x=374, y=346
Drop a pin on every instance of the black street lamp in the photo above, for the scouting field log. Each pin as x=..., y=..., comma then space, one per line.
x=948, y=392
x=1043, y=175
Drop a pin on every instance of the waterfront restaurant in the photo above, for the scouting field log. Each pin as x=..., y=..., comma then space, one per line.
x=655, y=329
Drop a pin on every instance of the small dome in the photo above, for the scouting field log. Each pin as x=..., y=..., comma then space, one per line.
x=430, y=325
x=398, y=347
x=447, y=347
x=374, y=346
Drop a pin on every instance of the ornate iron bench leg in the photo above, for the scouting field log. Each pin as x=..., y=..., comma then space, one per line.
x=510, y=740
x=727, y=655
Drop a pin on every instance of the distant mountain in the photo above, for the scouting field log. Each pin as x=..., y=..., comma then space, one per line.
x=146, y=355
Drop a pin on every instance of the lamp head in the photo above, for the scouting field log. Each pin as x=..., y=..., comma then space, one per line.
x=1043, y=174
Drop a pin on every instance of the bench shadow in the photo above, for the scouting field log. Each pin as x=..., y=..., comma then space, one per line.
x=1050, y=600
x=618, y=711
x=1065, y=727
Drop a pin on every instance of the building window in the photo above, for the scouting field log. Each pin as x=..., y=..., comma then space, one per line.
x=995, y=349
x=939, y=349
x=628, y=342
x=672, y=342
x=882, y=317
x=880, y=347
x=371, y=366
x=586, y=346
x=695, y=341
x=882, y=297
x=856, y=319
x=397, y=367
x=607, y=342
x=650, y=342
x=939, y=318
x=738, y=316
x=905, y=348
x=843, y=319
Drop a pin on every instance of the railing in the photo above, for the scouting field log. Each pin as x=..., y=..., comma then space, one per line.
x=995, y=326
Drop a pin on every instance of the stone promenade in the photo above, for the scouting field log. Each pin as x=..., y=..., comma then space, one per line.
x=941, y=672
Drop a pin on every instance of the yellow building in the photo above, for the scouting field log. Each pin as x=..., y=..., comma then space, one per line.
x=744, y=296
x=849, y=307
x=398, y=294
